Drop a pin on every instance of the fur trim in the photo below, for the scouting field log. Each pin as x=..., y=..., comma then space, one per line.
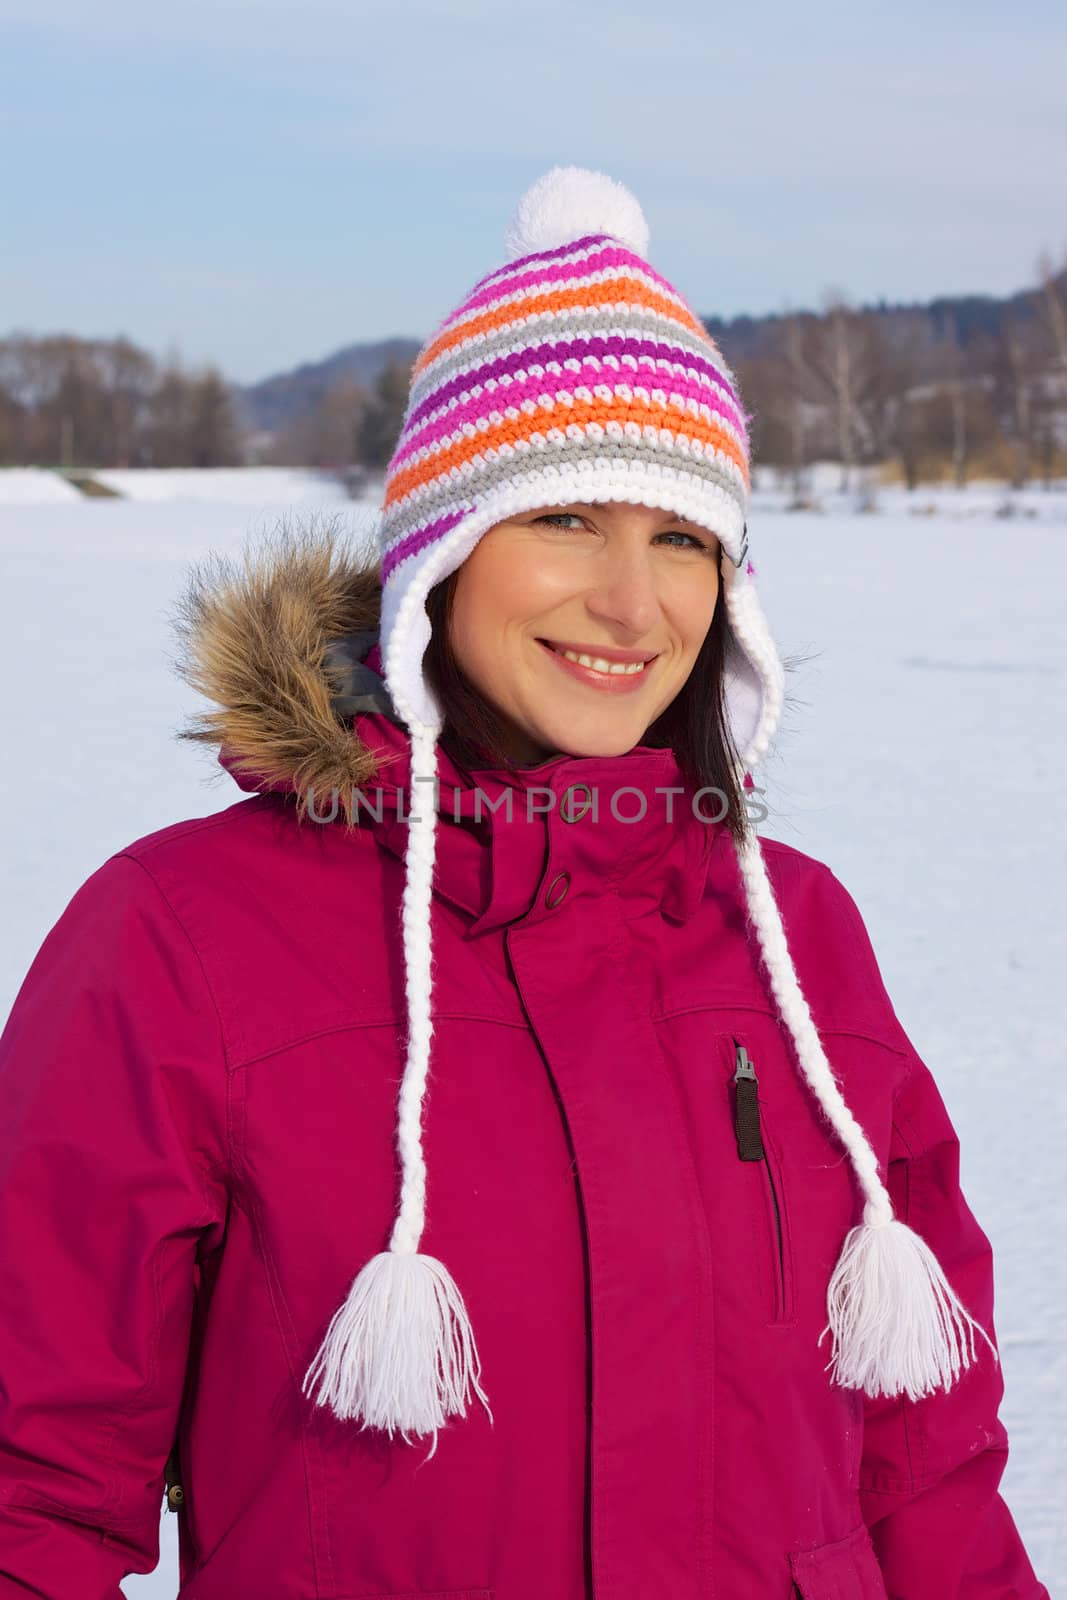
x=252, y=637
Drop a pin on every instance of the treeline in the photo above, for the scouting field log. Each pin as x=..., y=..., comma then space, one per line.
x=949, y=391
x=68, y=402
x=956, y=389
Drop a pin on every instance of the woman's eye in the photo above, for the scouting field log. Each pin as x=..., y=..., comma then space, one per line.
x=692, y=542
x=559, y=516
x=687, y=541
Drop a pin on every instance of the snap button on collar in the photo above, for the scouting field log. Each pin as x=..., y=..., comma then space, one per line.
x=557, y=889
x=568, y=811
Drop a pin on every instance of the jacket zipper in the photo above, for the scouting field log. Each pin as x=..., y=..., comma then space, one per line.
x=750, y=1146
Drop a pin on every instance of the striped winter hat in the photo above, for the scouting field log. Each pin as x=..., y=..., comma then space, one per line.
x=574, y=374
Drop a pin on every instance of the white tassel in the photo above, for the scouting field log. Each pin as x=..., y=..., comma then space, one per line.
x=897, y=1324
x=399, y=1354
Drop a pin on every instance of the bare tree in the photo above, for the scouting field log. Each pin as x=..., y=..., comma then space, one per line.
x=782, y=389
x=129, y=376
x=168, y=419
x=1054, y=285
x=1016, y=374
x=13, y=427
x=798, y=386
x=329, y=435
x=847, y=357
x=212, y=438
x=384, y=416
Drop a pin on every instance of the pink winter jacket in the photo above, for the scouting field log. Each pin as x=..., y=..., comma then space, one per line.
x=197, y=1154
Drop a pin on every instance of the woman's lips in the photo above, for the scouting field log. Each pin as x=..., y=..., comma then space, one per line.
x=608, y=682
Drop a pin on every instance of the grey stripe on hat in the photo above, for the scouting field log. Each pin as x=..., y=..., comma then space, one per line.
x=422, y=507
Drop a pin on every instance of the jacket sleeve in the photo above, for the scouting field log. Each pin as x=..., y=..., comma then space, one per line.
x=930, y=1469
x=112, y=1186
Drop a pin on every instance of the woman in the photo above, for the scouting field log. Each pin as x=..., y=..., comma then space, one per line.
x=488, y=1167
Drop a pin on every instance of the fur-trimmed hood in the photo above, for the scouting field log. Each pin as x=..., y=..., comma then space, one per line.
x=276, y=639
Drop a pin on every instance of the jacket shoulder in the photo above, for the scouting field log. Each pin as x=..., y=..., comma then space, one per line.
x=163, y=843
x=832, y=950
x=805, y=884
x=267, y=898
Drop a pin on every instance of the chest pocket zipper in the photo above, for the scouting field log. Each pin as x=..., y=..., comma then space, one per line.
x=752, y=1145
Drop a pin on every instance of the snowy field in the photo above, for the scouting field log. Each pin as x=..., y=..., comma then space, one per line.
x=923, y=757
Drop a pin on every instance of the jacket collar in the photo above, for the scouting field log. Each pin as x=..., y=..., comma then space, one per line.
x=284, y=644
x=502, y=837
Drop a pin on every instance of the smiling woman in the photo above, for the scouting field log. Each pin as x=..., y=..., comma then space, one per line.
x=455, y=1197
x=587, y=630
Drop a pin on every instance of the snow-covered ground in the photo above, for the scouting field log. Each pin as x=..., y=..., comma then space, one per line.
x=982, y=498
x=219, y=486
x=258, y=487
x=33, y=486
x=247, y=487
x=923, y=758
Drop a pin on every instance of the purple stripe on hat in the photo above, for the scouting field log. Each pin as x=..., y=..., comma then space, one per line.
x=515, y=393
x=579, y=349
x=412, y=543
x=540, y=255
x=612, y=255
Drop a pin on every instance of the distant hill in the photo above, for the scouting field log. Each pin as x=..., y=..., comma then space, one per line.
x=963, y=318
x=275, y=402
x=285, y=398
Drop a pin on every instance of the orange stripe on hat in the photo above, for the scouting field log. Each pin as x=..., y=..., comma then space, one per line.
x=514, y=430
x=612, y=292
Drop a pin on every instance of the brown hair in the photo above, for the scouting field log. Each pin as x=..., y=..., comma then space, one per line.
x=694, y=725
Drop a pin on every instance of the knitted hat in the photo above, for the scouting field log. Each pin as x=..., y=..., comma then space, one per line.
x=576, y=373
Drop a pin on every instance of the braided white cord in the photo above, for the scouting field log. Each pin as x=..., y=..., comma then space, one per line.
x=793, y=1006
x=418, y=951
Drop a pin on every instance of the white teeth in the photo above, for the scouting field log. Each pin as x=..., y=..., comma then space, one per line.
x=598, y=663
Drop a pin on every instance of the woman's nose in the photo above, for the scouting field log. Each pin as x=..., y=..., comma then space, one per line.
x=626, y=597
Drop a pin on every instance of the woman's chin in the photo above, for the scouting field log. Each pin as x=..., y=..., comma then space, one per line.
x=578, y=741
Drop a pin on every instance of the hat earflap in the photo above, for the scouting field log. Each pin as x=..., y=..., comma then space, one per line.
x=897, y=1325
x=399, y=1354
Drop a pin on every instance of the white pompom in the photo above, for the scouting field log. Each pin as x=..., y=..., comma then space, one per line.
x=569, y=202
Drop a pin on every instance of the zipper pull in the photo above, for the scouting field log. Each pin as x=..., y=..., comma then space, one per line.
x=746, y=1107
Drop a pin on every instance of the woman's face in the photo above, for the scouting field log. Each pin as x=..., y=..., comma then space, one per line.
x=633, y=590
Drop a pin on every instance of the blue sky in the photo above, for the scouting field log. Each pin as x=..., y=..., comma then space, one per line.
x=259, y=184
